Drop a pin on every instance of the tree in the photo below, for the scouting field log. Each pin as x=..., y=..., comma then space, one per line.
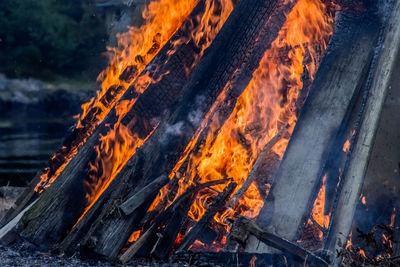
x=45, y=38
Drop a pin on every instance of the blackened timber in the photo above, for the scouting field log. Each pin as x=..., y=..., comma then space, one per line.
x=164, y=244
x=340, y=76
x=233, y=56
x=60, y=206
x=194, y=233
x=165, y=216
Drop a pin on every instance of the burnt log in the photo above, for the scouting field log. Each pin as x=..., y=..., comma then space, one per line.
x=200, y=226
x=166, y=240
x=63, y=203
x=354, y=173
x=233, y=56
x=337, y=83
x=165, y=216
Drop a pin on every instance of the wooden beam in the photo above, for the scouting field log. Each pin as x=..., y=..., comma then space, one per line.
x=243, y=227
x=163, y=217
x=342, y=72
x=354, y=175
x=135, y=201
x=194, y=233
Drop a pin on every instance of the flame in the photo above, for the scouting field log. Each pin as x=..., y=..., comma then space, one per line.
x=346, y=146
x=136, y=48
x=139, y=45
x=134, y=236
x=318, y=213
x=253, y=261
x=120, y=144
x=265, y=106
x=349, y=243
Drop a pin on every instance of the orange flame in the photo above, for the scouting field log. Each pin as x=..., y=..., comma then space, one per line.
x=120, y=144
x=318, y=213
x=266, y=105
x=137, y=47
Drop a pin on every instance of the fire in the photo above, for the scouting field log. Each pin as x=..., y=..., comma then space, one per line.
x=318, y=211
x=120, y=144
x=346, y=146
x=266, y=105
x=137, y=47
x=135, y=50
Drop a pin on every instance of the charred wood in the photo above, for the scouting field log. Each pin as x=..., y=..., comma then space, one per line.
x=165, y=216
x=135, y=201
x=243, y=227
x=194, y=233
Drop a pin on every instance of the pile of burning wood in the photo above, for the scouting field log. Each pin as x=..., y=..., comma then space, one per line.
x=222, y=126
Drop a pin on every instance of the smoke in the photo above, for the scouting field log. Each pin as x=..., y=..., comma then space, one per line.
x=172, y=131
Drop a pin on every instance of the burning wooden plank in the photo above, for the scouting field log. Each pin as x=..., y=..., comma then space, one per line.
x=163, y=217
x=195, y=232
x=343, y=71
x=370, y=115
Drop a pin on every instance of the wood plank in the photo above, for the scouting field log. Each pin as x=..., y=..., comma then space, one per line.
x=341, y=74
x=354, y=174
x=194, y=233
x=135, y=201
x=243, y=227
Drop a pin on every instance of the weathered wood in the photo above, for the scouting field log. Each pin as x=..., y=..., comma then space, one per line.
x=25, y=199
x=243, y=227
x=254, y=170
x=163, y=217
x=233, y=56
x=342, y=72
x=63, y=203
x=135, y=201
x=194, y=233
x=354, y=173
x=165, y=242
x=10, y=226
